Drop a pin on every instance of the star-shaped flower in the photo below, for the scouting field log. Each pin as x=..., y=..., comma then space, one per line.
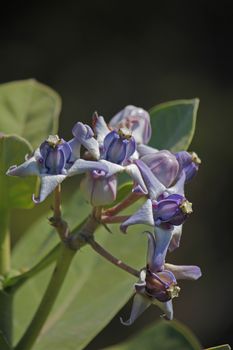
x=158, y=282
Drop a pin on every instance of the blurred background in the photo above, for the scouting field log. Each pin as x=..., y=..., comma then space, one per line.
x=103, y=55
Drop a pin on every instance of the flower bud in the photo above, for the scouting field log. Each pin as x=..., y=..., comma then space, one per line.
x=189, y=162
x=55, y=154
x=163, y=165
x=119, y=146
x=137, y=120
x=173, y=210
x=98, y=189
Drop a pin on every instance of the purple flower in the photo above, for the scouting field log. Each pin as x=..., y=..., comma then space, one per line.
x=53, y=161
x=118, y=146
x=189, y=163
x=113, y=149
x=165, y=210
x=136, y=119
x=158, y=282
x=171, y=210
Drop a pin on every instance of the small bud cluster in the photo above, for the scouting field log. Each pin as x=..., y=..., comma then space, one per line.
x=158, y=176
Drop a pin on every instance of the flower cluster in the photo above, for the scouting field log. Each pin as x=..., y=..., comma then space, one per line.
x=158, y=176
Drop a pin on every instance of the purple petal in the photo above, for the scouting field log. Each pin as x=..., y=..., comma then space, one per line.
x=140, y=304
x=144, y=150
x=28, y=168
x=100, y=127
x=154, y=186
x=84, y=134
x=112, y=168
x=162, y=241
x=133, y=171
x=184, y=272
x=143, y=216
x=176, y=236
x=75, y=146
x=99, y=191
x=48, y=184
x=135, y=119
x=150, y=249
x=163, y=165
x=178, y=188
x=81, y=166
x=166, y=307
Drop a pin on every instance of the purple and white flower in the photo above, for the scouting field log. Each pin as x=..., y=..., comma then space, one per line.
x=113, y=149
x=189, y=162
x=53, y=161
x=166, y=209
x=158, y=282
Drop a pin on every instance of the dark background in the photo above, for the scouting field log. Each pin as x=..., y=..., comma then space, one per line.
x=102, y=55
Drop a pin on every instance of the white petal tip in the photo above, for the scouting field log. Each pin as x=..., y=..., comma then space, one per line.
x=125, y=323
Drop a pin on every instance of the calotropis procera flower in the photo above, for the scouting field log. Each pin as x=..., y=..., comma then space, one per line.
x=114, y=150
x=158, y=282
x=134, y=119
x=166, y=209
x=189, y=162
x=53, y=161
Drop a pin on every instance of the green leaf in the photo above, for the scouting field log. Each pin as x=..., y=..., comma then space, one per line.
x=173, y=124
x=29, y=109
x=163, y=336
x=15, y=192
x=94, y=290
x=3, y=342
x=221, y=347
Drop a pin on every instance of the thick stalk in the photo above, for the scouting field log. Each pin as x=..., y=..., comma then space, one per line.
x=48, y=300
x=5, y=298
x=4, y=243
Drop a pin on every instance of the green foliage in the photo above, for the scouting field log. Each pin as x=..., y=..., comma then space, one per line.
x=29, y=109
x=86, y=303
x=15, y=192
x=173, y=124
x=3, y=342
x=163, y=336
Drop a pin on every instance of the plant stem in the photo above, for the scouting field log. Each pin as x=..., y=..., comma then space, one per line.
x=5, y=298
x=48, y=300
x=57, y=203
x=56, y=220
x=4, y=243
x=114, y=219
x=125, y=203
x=112, y=259
x=14, y=283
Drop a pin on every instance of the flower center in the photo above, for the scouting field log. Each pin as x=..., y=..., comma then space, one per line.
x=173, y=291
x=186, y=207
x=195, y=158
x=124, y=134
x=54, y=141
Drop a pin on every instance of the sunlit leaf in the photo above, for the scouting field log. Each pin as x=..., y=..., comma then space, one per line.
x=90, y=279
x=15, y=192
x=29, y=109
x=173, y=124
